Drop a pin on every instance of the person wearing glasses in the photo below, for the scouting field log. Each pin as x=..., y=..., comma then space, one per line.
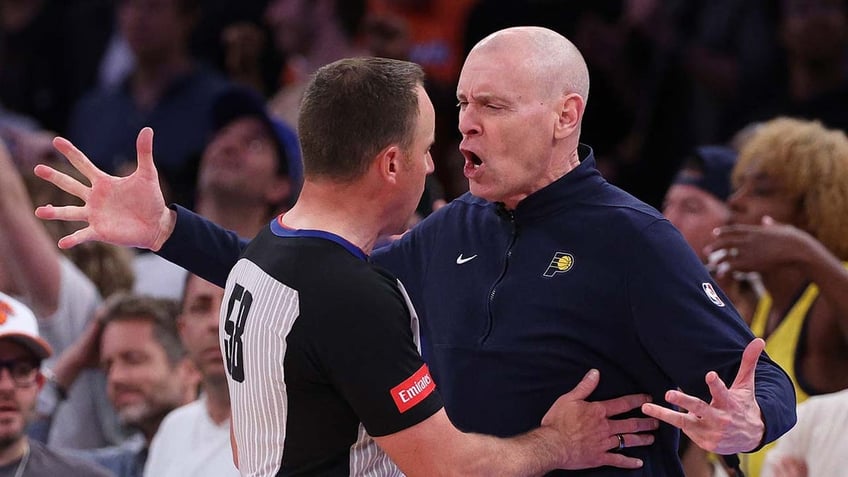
x=21, y=353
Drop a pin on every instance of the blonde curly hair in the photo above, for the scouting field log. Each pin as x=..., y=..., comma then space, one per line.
x=811, y=162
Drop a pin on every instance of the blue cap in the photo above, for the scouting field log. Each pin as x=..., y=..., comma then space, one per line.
x=708, y=168
x=237, y=102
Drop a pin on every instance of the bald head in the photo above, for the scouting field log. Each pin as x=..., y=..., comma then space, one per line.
x=552, y=60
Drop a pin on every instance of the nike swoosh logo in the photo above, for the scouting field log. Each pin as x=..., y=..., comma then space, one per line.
x=460, y=260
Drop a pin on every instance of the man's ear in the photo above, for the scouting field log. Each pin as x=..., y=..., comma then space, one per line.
x=571, y=109
x=388, y=163
x=40, y=379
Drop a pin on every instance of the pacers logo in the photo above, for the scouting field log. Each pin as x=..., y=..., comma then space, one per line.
x=561, y=263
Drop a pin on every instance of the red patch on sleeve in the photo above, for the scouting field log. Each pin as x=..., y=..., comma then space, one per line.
x=413, y=390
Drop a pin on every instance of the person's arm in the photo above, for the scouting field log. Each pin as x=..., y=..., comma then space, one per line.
x=130, y=211
x=761, y=247
x=574, y=434
x=696, y=336
x=731, y=422
x=29, y=259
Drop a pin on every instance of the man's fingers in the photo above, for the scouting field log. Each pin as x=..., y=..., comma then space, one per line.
x=71, y=213
x=633, y=425
x=77, y=158
x=687, y=402
x=585, y=387
x=62, y=181
x=144, y=149
x=633, y=440
x=676, y=419
x=620, y=460
x=623, y=404
x=750, y=356
x=76, y=238
x=718, y=390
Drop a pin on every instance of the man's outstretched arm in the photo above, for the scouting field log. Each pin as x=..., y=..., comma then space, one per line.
x=130, y=211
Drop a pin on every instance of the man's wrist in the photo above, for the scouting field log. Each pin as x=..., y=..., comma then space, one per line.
x=167, y=222
x=51, y=380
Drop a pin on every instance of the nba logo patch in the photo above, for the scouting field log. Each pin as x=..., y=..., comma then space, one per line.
x=711, y=294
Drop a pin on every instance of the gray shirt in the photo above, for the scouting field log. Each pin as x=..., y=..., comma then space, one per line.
x=43, y=462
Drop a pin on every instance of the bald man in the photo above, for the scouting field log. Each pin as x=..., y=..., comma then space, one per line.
x=542, y=272
x=545, y=270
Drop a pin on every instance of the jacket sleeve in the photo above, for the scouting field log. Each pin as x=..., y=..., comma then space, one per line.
x=202, y=247
x=689, y=327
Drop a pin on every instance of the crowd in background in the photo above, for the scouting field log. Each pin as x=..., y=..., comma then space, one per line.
x=220, y=83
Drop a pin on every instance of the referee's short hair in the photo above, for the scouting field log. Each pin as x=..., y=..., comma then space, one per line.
x=354, y=108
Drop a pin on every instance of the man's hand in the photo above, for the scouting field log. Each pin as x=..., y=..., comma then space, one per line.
x=126, y=211
x=731, y=422
x=586, y=432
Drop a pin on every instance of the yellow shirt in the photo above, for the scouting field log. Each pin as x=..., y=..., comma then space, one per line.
x=782, y=347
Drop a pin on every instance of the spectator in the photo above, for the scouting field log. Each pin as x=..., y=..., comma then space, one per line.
x=250, y=170
x=816, y=446
x=21, y=353
x=195, y=439
x=695, y=204
x=134, y=339
x=167, y=89
x=791, y=183
x=310, y=34
x=64, y=300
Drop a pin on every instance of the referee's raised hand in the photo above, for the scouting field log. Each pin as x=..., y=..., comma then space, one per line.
x=127, y=211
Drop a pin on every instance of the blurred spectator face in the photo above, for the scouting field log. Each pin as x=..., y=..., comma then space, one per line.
x=242, y=160
x=19, y=385
x=198, y=325
x=758, y=195
x=815, y=29
x=141, y=383
x=293, y=23
x=154, y=28
x=695, y=213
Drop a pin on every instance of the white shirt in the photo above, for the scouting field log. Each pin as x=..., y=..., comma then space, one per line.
x=189, y=444
x=819, y=438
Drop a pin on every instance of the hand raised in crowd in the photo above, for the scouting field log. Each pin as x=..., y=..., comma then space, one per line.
x=752, y=248
x=731, y=422
x=128, y=211
x=587, y=431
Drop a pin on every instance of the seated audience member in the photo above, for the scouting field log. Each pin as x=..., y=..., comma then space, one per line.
x=250, y=171
x=787, y=223
x=695, y=204
x=21, y=352
x=817, y=445
x=134, y=339
x=310, y=34
x=195, y=439
x=167, y=88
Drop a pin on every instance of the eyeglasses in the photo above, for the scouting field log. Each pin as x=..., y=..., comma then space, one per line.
x=23, y=372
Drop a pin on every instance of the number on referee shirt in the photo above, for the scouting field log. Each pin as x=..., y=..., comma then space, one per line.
x=234, y=327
